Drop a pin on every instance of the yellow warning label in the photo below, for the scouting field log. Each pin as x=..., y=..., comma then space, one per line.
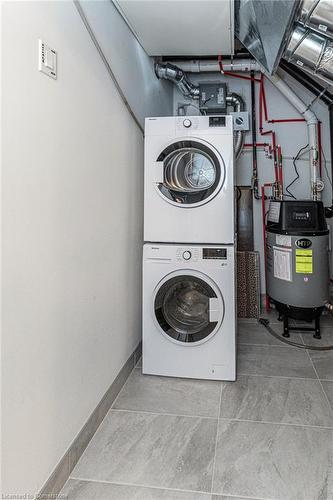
x=304, y=261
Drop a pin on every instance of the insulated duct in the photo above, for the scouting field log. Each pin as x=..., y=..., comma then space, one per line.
x=312, y=52
x=178, y=77
x=238, y=104
x=318, y=15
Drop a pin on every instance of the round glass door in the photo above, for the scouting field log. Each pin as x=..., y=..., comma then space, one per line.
x=182, y=308
x=192, y=173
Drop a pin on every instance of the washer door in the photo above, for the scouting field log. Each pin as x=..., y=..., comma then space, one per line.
x=193, y=173
x=188, y=307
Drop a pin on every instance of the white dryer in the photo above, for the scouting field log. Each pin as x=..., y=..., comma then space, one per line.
x=189, y=179
x=189, y=312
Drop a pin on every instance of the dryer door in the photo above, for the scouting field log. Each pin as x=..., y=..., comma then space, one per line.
x=193, y=173
x=188, y=307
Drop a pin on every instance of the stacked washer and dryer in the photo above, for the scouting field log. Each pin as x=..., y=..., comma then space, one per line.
x=189, y=303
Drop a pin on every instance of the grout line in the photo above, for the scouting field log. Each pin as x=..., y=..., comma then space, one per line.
x=119, y=483
x=222, y=418
x=271, y=345
x=217, y=436
x=268, y=345
x=287, y=424
x=275, y=376
x=321, y=385
x=164, y=414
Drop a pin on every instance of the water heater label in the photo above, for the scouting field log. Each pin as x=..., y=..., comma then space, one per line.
x=283, y=240
x=282, y=264
x=274, y=211
x=304, y=261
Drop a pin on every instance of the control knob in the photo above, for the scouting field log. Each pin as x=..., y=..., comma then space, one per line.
x=187, y=255
x=187, y=123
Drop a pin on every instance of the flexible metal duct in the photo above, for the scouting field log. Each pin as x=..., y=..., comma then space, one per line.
x=311, y=52
x=318, y=15
x=188, y=89
x=178, y=77
x=238, y=104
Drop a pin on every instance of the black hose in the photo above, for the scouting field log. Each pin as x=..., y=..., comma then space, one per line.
x=265, y=323
x=254, y=139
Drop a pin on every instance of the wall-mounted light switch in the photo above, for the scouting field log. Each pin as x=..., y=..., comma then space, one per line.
x=47, y=60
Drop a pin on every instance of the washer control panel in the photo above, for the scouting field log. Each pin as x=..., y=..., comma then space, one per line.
x=214, y=253
x=187, y=255
x=184, y=254
x=187, y=123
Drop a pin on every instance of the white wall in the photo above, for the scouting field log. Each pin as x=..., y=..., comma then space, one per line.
x=133, y=69
x=72, y=170
x=291, y=137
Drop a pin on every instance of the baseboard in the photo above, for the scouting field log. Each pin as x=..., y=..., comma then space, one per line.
x=59, y=476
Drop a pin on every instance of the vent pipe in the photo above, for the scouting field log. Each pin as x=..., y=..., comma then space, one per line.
x=238, y=104
x=318, y=15
x=178, y=77
x=311, y=51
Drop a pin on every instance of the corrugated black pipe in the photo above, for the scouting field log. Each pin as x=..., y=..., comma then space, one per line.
x=254, y=139
x=329, y=211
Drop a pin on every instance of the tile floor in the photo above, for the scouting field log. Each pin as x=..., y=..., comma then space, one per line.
x=267, y=436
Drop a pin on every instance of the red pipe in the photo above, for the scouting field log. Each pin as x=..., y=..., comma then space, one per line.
x=235, y=75
x=287, y=120
x=264, y=97
x=280, y=166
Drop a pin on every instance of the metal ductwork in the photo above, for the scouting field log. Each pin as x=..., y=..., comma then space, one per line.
x=178, y=77
x=188, y=89
x=238, y=104
x=318, y=15
x=312, y=52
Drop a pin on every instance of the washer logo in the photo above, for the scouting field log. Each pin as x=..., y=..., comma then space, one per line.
x=303, y=243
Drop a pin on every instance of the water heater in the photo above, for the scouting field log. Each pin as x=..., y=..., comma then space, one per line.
x=297, y=258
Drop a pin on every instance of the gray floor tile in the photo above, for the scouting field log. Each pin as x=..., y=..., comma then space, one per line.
x=222, y=497
x=87, y=490
x=256, y=334
x=170, y=395
x=247, y=320
x=274, y=361
x=326, y=338
x=268, y=399
x=323, y=363
x=274, y=461
x=327, y=320
x=328, y=388
x=151, y=450
x=272, y=315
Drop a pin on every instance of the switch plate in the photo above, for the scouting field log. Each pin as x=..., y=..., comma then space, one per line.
x=47, y=60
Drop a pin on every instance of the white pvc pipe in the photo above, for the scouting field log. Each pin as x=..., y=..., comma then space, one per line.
x=247, y=65
x=312, y=127
x=210, y=66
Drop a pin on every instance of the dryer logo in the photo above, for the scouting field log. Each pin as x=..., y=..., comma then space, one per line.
x=303, y=243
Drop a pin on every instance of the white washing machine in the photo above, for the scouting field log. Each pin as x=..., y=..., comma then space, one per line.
x=189, y=179
x=189, y=312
